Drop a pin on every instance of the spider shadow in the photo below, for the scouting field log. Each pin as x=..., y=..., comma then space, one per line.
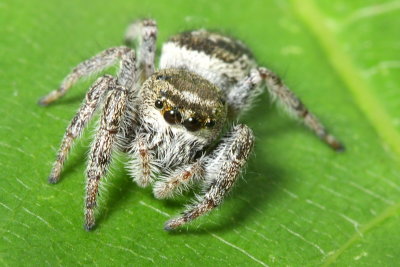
x=72, y=99
x=248, y=200
x=75, y=161
x=115, y=192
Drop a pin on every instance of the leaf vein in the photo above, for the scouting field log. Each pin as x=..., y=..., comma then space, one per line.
x=342, y=63
x=364, y=97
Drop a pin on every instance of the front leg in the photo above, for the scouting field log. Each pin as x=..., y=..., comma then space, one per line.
x=221, y=171
x=79, y=122
x=111, y=124
x=179, y=180
x=102, y=147
x=94, y=98
x=145, y=168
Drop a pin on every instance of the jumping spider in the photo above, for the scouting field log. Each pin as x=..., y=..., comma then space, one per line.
x=172, y=123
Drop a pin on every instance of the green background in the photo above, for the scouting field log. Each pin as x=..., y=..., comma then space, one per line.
x=299, y=203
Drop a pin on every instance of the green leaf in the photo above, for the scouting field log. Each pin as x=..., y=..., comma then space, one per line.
x=298, y=204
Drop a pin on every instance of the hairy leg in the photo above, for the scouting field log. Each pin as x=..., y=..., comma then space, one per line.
x=222, y=170
x=78, y=123
x=86, y=68
x=118, y=91
x=145, y=31
x=94, y=97
x=102, y=147
x=179, y=180
x=145, y=157
x=294, y=106
x=241, y=96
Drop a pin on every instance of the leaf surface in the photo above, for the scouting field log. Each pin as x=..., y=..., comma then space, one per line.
x=298, y=203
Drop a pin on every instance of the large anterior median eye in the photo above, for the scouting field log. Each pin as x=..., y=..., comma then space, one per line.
x=173, y=116
x=192, y=124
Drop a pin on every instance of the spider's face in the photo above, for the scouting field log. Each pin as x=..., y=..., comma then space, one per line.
x=187, y=101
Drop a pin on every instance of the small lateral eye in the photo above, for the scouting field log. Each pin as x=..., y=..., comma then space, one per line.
x=192, y=124
x=210, y=123
x=159, y=104
x=173, y=116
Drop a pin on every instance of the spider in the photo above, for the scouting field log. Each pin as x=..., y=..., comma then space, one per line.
x=174, y=122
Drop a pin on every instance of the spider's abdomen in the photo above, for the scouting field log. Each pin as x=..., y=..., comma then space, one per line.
x=218, y=58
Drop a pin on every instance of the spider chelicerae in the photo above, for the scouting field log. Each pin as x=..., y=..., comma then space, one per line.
x=173, y=123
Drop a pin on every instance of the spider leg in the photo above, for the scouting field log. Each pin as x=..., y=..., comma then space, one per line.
x=293, y=105
x=221, y=171
x=143, y=174
x=102, y=147
x=78, y=123
x=88, y=67
x=179, y=180
x=241, y=95
x=145, y=31
x=89, y=106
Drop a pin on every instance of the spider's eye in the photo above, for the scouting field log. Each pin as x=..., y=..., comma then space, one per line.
x=173, y=116
x=163, y=77
x=210, y=123
x=159, y=104
x=192, y=124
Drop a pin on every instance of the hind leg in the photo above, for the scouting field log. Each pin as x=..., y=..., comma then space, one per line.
x=145, y=32
x=240, y=98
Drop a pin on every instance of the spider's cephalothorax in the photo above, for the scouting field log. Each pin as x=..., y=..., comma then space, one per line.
x=172, y=123
x=180, y=115
x=186, y=101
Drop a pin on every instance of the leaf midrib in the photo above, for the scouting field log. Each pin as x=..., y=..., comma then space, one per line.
x=342, y=63
x=362, y=93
